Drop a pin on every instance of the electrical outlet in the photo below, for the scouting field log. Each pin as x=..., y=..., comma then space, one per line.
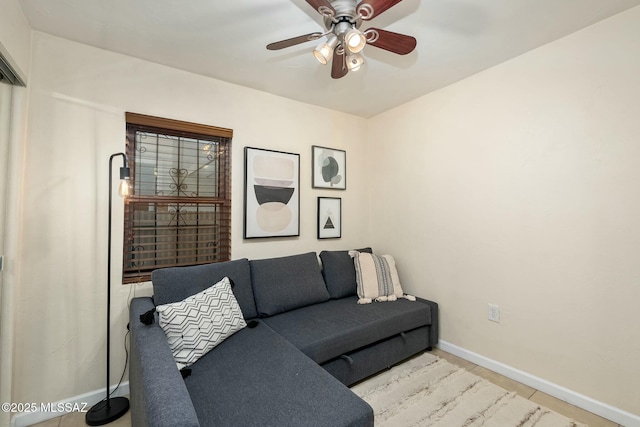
x=494, y=313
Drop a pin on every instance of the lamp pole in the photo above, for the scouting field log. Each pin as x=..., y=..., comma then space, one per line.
x=110, y=409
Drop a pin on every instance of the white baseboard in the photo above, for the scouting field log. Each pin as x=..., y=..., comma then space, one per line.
x=83, y=402
x=607, y=411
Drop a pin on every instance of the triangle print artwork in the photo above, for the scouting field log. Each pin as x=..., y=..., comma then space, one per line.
x=329, y=224
x=329, y=218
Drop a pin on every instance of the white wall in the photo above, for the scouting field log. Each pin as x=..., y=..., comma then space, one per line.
x=78, y=97
x=519, y=187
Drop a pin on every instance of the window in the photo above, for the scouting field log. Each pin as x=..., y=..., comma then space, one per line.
x=180, y=210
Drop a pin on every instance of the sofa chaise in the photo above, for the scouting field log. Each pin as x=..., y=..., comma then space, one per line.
x=307, y=339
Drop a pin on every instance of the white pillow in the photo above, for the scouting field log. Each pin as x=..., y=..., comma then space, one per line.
x=200, y=322
x=377, y=278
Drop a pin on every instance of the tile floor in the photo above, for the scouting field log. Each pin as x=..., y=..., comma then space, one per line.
x=592, y=420
x=76, y=419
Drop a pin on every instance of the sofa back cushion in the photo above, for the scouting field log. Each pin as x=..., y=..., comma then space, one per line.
x=283, y=284
x=177, y=283
x=339, y=272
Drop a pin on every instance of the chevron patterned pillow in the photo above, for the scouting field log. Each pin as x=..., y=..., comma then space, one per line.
x=200, y=322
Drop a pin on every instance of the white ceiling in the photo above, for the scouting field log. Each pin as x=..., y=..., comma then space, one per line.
x=226, y=39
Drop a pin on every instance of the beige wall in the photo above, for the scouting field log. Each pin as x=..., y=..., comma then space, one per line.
x=15, y=37
x=519, y=187
x=15, y=44
x=78, y=97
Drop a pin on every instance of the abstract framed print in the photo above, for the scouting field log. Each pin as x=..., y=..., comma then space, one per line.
x=271, y=193
x=329, y=168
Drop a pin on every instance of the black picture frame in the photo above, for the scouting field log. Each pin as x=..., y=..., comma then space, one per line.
x=329, y=217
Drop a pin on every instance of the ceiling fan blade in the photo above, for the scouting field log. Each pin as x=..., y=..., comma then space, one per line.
x=388, y=40
x=293, y=41
x=369, y=9
x=339, y=63
x=323, y=7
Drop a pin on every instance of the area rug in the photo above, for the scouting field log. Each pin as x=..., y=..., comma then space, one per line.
x=429, y=391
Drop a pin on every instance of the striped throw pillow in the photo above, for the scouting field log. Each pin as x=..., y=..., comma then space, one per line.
x=377, y=278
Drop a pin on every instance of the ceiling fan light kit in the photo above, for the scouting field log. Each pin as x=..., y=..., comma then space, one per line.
x=354, y=62
x=345, y=42
x=355, y=40
x=324, y=50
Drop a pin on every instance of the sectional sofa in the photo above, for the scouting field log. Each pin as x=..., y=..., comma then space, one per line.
x=307, y=339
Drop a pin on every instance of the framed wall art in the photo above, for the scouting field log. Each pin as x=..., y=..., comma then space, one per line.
x=329, y=217
x=329, y=169
x=271, y=193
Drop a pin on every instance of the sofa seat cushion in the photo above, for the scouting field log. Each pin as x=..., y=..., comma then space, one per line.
x=274, y=384
x=336, y=327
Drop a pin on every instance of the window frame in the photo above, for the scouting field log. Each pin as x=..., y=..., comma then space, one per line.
x=180, y=129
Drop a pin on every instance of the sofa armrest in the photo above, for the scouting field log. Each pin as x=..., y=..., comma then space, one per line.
x=159, y=397
x=434, y=329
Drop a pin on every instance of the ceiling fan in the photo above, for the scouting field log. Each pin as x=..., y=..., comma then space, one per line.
x=345, y=42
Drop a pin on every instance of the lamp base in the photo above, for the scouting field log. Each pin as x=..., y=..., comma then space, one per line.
x=101, y=414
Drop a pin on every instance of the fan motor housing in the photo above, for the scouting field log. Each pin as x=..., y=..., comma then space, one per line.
x=345, y=12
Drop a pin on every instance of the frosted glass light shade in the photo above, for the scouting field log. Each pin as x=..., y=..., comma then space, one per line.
x=354, y=62
x=324, y=50
x=355, y=40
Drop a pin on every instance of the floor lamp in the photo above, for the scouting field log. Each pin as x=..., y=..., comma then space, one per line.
x=110, y=409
